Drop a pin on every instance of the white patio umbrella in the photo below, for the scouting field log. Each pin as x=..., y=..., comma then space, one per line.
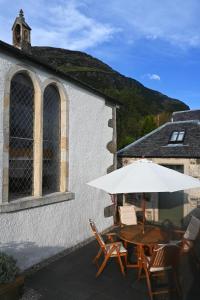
x=144, y=176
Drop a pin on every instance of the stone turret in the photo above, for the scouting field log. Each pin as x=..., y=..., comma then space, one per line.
x=21, y=33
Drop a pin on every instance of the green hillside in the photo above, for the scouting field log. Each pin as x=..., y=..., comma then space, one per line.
x=143, y=110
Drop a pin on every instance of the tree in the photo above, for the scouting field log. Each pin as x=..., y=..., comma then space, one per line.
x=148, y=124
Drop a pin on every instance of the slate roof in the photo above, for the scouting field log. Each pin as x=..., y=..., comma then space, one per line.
x=28, y=57
x=156, y=143
x=186, y=115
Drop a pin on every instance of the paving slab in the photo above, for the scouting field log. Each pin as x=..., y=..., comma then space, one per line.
x=72, y=277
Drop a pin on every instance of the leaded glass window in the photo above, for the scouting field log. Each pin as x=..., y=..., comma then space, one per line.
x=51, y=140
x=21, y=137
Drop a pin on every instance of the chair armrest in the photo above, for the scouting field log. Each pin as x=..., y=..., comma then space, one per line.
x=110, y=233
x=111, y=236
x=114, y=244
x=177, y=234
x=179, y=231
x=186, y=246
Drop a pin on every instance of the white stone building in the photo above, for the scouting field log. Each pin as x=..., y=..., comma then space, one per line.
x=176, y=145
x=56, y=134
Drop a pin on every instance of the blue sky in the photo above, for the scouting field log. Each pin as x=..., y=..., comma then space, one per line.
x=156, y=42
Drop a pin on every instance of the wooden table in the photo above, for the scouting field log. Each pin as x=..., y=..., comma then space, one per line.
x=152, y=235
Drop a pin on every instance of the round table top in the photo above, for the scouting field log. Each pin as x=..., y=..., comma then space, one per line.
x=152, y=235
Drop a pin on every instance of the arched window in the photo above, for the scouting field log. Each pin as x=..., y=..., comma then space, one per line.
x=51, y=140
x=17, y=33
x=21, y=137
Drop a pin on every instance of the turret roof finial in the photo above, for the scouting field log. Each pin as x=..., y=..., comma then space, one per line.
x=21, y=13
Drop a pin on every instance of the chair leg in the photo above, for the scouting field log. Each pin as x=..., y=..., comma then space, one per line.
x=95, y=260
x=149, y=284
x=178, y=289
x=121, y=265
x=140, y=272
x=125, y=260
x=102, y=265
x=196, y=258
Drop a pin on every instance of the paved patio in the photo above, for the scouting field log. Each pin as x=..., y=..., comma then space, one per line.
x=73, y=278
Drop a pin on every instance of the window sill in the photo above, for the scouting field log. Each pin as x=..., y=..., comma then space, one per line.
x=32, y=202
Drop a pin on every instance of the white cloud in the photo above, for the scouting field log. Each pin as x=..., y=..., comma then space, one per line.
x=76, y=24
x=59, y=23
x=152, y=76
x=67, y=27
x=175, y=22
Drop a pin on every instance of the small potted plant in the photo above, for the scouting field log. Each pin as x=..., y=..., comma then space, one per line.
x=11, y=283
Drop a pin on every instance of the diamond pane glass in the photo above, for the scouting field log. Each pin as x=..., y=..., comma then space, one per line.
x=51, y=141
x=21, y=137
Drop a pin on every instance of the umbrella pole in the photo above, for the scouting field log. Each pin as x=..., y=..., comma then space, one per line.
x=143, y=209
x=114, y=201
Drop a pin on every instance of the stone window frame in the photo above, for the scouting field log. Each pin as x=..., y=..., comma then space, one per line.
x=37, y=199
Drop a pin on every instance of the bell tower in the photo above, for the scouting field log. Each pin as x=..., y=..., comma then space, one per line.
x=21, y=33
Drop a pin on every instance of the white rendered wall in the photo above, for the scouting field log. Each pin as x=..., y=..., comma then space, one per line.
x=34, y=234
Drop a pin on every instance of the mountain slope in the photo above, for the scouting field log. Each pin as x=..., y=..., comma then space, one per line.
x=142, y=106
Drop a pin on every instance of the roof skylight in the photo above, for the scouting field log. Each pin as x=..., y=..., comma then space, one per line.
x=177, y=136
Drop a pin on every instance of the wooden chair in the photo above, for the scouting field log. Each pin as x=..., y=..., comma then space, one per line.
x=109, y=250
x=127, y=215
x=164, y=259
x=188, y=237
x=192, y=230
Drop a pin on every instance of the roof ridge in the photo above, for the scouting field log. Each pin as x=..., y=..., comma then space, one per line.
x=186, y=121
x=184, y=111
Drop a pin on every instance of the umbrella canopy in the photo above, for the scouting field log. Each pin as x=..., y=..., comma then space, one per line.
x=144, y=176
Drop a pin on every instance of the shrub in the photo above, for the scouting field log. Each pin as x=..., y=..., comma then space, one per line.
x=8, y=268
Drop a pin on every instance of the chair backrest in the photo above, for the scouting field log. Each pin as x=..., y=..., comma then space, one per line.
x=192, y=229
x=165, y=255
x=97, y=234
x=127, y=215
